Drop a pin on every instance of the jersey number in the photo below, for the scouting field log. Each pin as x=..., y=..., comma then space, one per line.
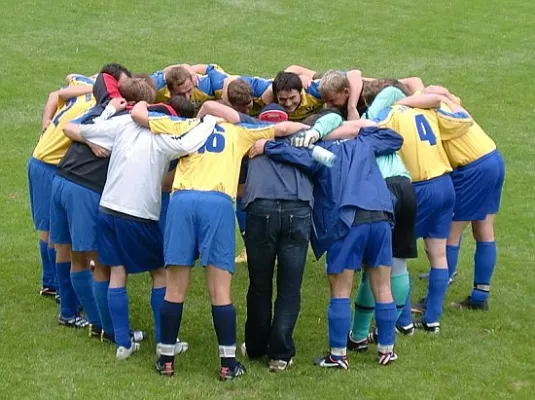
x=66, y=107
x=424, y=130
x=214, y=144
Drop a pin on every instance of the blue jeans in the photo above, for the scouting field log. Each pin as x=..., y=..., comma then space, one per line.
x=275, y=230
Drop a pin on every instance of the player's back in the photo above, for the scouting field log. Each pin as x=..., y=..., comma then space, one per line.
x=216, y=165
x=422, y=150
x=53, y=144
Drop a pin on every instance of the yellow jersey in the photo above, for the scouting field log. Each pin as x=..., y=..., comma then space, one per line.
x=422, y=152
x=53, y=143
x=216, y=165
x=464, y=149
x=311, y=102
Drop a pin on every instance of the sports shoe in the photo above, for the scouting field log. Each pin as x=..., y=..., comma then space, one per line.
x=450, y=280
x=420, y=306
x=180, y=347
x=385, y=358
x=405, y=330
x=123, y=353
x=242, y=257
x=166, y=369
x=280, y=365
x=57, y=298
x=432, y=327
x=356, y=345
x=243, y=349
x=75, y=322
x=47, y=292
x=467, y=304
x=329, y=361
x=97, y=332
x=227, y=374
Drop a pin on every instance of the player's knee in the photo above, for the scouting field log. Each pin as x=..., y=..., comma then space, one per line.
x=63, y=253
x=118, y=276
x=158, y=278
x=341, y=284
x=79, y=261
x=43, y=235
x=483, y=231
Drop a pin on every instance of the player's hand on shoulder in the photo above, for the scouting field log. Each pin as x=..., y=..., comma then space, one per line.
x=99, y=151
x=258, y=148
x=118, y=103
x=305, y=138
x=306, y=81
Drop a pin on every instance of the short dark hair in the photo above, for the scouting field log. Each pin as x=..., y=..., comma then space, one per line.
x=115, y=70
x=240, y=93
x=183, y=107
x=286, y=81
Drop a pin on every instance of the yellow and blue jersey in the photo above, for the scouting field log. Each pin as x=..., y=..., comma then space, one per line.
x=471, y=146
x=53, y=143
x=259, y=86
x=423, y=153
x=204, y=91
x=216, y=165
x=311, y=102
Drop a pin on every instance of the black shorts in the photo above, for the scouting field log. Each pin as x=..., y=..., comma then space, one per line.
x=243, y=170
x=404, y=233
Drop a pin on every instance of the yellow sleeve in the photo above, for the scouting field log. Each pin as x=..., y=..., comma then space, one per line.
x=165, y=124
x=453, y=125
x=247, y=136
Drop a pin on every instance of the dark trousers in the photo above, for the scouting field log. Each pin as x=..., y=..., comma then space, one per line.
x=275, y=230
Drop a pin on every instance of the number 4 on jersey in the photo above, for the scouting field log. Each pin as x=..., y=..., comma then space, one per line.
x=424, y=130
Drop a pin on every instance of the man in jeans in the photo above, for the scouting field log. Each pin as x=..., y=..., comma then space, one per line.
x=278, y=200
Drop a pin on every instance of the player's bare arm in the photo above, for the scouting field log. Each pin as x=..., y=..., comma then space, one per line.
x=50, y=109
x=355, y=88
x=219, y=110
x=301, y=71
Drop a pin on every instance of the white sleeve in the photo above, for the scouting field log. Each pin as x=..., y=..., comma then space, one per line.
x=101, y=133
x=178, y=146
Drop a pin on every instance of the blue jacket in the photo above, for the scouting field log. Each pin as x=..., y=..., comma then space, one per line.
x=354, y=181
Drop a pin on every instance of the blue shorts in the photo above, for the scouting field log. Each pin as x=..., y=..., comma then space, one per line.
x=138, y=246
x=163, y=213
x=370, y=244
x=478, y=188
x=434, y=211
x=73, y=216
x=40, y=177
x=200, y=223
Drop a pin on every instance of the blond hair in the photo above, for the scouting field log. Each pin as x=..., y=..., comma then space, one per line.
x=333, y=81
x=137, y=89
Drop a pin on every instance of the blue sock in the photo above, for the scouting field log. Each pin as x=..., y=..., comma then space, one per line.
x=100, y=291
x=438, y=284
x=52, y=260
x=48, y=278
x=156, y=301
x=224, y=318
x=452, y=253
x=68, y=301
x=339, y=317
x=118, y=303
x=405, y=318
x=385, y=318
x=484, y=261
x=241, y=215
x=171, y=317
x=82, y=282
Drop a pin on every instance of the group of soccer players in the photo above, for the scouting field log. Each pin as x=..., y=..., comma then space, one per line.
x=410, y=162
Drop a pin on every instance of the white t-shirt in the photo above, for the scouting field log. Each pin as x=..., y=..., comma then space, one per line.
x=139, y=162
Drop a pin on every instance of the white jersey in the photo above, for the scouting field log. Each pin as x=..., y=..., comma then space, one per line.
x=139, y=161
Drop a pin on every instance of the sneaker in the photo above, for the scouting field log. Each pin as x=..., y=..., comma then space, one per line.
x=432, y=327
x=467, y=304
x=48, y=292
x=166, y=369
x=227, y=374
x=123, y=353
x=75, y=322
x=420, y=306
x=386, y=357
x=405, y=330
x=450, y=281
x=280, y=365
x=57, y=298
x=97, y=332
x=180, y=347
x=424, y=275
x=329, y=361
x=356, y=345
x=242, y=257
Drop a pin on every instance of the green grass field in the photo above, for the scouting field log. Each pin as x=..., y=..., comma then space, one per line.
x=482, y=50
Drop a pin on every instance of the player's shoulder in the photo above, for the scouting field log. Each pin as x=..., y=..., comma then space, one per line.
x=314, y=89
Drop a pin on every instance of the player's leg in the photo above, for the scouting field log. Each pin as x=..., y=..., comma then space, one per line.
x=101, y=283
x=362, y=316
x=453, y=246
x=261, y=237
x=82, y=282
x=378, y=259
x=291, y=259
x=240, y=212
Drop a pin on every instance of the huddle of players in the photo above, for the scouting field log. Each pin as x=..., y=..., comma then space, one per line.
x=414, y=145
